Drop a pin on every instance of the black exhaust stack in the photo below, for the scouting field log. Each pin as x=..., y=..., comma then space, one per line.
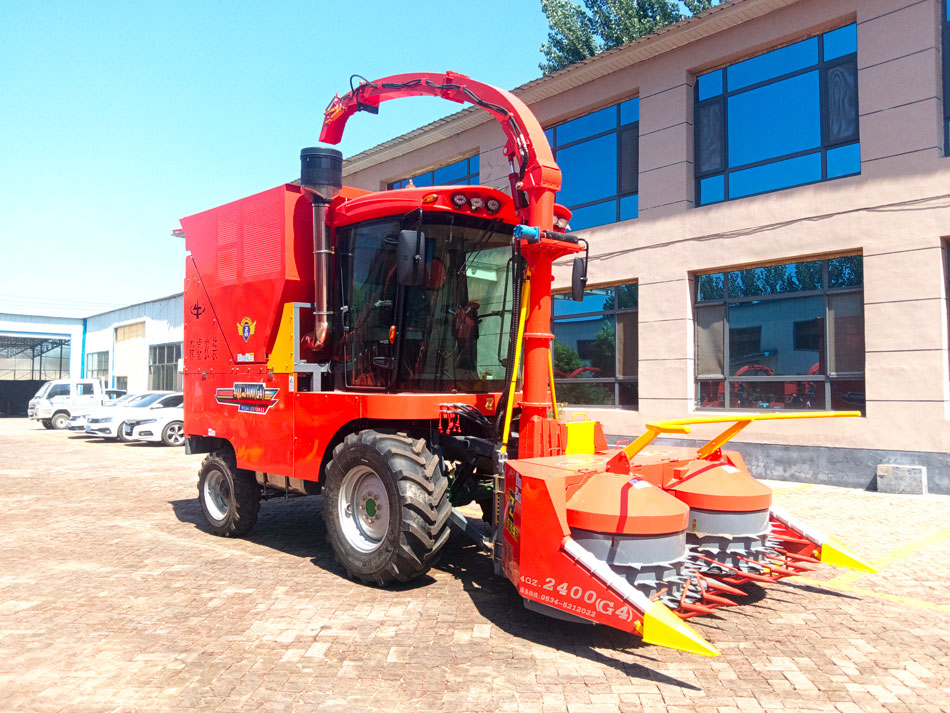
x=321, y=175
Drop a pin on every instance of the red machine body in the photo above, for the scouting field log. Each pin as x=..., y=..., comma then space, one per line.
x=284, y=397
x=248, y=259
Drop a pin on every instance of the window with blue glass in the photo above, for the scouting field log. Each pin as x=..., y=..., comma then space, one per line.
x=599, y=157
x=454, y=174
x=946, y=77
x=781, y=119
x=786, y=336
x=595, y=347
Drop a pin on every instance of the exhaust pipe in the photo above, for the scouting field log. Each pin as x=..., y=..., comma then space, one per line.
x=321, y=175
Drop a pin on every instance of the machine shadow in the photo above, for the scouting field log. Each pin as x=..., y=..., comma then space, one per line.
x=295, y=527
x=498, y=601
x=292, y=525
x=813, y=589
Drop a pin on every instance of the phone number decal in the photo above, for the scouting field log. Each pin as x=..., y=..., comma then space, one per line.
x=584, y=602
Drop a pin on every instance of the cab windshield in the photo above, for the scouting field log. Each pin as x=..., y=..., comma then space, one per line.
x=453, y=329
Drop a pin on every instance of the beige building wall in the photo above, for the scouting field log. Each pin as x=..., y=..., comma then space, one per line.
x=896, y=213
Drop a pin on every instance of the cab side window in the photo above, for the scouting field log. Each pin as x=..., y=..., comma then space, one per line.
x=58, y=390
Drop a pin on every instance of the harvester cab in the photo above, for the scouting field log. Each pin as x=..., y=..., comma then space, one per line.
x=392, y=351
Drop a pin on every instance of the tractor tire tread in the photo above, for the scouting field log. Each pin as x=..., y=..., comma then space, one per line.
x=421, y=489
x=246, y=495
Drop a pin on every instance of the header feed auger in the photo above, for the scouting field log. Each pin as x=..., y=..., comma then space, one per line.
x=368, y=346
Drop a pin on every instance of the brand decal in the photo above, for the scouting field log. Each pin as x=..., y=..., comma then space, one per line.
x=246, y=328
x=249, y=398
x=575, y=599
x=513, y=531
x=246, y=357
x=197, y=310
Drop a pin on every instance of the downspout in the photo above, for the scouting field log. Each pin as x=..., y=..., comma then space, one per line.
x=82, y=354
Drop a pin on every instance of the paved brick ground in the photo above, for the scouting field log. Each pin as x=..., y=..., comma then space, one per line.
x=113, y=597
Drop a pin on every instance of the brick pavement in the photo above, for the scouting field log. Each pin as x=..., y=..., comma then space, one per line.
x=114, y=598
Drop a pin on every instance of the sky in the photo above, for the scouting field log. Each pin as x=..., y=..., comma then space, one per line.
x=119, y=118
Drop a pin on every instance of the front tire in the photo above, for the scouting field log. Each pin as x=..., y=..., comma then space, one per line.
x=120, y=434
x=385, y=506
x=230, y=496
x=47, y=424
x=174, y=434
x=59, y=421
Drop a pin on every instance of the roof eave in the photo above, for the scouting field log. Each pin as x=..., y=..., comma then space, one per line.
x=714, y=20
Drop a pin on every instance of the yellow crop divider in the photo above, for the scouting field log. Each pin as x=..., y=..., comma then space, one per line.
x=738, y=420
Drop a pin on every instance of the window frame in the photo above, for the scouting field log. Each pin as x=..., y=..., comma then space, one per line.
x=159, y=371
x=827, y=378
x=470, y=174
x=945, y=36
x=619, y=129
x=616, y=379
x=97, y=365
x=822, y=67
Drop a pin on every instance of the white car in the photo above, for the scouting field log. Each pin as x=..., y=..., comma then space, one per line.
x=77, y=423
x=57, y=401
x=109, y=424
x=160, y=425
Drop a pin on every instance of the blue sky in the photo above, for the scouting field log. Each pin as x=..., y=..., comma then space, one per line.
x=119, y=118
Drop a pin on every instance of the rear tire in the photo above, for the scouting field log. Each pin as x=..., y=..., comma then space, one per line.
x=230, y=497
x=386, y=507
x=59, y=421
x=174, y=434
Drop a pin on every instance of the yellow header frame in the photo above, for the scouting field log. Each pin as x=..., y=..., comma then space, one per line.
x=738, y=420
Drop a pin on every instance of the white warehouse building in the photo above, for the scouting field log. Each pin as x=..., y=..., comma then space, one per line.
x=137, y=347
x=133, y=348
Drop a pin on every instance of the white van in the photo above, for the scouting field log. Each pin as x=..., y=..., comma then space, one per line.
x=57, y=401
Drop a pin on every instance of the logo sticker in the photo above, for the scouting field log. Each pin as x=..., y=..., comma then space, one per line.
x=513, y=531
x=246, y=328
x=249, y=398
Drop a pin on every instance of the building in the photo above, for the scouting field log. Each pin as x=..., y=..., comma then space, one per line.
x=35, y=349
x=766, y=192
x=137, y=347
x=134, y=348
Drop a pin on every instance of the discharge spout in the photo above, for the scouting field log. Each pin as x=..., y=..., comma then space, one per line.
x=321, y=175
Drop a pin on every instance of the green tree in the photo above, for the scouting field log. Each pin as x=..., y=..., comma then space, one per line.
x=808, y=274
x=845, y=271
x=566, y=359
x=604, y=350
x=745, y=283
x=579, y=32
x=774, y=280
x=712, y=287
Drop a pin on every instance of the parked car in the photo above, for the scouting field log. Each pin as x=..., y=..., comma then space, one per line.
x=160, y=425
x=77, y=423
x=57, y=401
x=109, y=424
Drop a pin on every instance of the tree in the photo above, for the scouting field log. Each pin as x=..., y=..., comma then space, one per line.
x=577, y=33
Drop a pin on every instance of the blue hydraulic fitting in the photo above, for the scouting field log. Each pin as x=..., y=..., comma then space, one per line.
x=530, y=233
